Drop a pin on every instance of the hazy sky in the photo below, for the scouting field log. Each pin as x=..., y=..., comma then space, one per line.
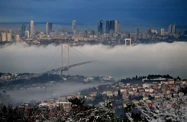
x=135, y=12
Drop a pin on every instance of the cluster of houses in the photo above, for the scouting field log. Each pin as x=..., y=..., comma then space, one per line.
x=149, y=92
x=8, y=76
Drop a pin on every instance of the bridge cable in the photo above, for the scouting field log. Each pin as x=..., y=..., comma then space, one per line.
x=51, y=59
x=80, y=53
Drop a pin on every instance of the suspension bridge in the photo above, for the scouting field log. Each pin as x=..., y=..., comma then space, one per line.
x=57, y=70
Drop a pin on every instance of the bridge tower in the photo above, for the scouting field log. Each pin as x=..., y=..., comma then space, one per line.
x=65, y=56
x=128, y=39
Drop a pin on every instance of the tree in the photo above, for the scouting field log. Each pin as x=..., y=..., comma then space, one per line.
x=171, y=108
x=84, y=113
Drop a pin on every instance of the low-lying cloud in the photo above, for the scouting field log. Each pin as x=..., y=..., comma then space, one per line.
x=119, y=61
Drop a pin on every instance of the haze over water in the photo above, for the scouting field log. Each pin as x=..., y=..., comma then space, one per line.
x=118, y=62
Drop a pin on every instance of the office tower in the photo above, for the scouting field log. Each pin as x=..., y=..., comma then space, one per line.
x=107, y=26
x=100, y=27
x=74, y=26
x=128, y=35
x=185, y=32
x=149, y=32
x=162, y=32
x=92, y=32
x=3, y=36
x=27, y=34
x=86, y=33
x=112, y=25
x=32, y=31
x=119, y=28
x=174, y=29
x=9, y=36
x=48, y=28
x=18, y=37
x=23, y=29
x=116, y=26
x=137, y=34
x=170, y=29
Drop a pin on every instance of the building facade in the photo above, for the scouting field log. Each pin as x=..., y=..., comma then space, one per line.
x=32, y=31
x=3, y=36
x=100, y=27
x=74, y=26
x=48, y=28
x=23, y=29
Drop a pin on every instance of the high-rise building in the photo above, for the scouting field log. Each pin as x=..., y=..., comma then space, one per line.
x=9, y=36
x=100, y=27
x=3, y=36
x=170, y=29
x=116, y=26
x=174, y=29
x=23, y=29
x=74, y=26
x=48, y=28
x=185, y=32
x=32, y=31
x=92, y=32
x=112, y=25
x=86, y=33
x=18, y=37
x=149, y=32
x=137, y=34
x=107, y=26
x=162, y=32
x=119, y=27
x=27, y=35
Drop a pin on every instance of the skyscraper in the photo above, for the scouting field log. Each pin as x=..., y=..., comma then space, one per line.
x=27, y=34
x=174, y=29
x=18, y=37
x=23, y=29
x=112, y=25
x=100, y=27
x=86, y=33
x=107, y=26
x=170, y=29
x=3, y=35
x=9, y=36
x=137, y=34
x=74, y=26
x=185, y=32
x=92, y=32
x=162, y=32
x=32, y=31
x=48, y=28
x=116, y=26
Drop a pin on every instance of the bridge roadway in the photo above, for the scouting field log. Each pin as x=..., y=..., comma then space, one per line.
x=48, y=72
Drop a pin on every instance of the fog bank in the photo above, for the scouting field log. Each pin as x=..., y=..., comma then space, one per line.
x=119, y=61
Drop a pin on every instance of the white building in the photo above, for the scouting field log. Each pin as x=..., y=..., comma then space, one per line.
x=162, y=32
x=17, y=37
x=3, y=35
x=32, y=31
x=116, y=26
x=27, y=34
x=9, y=36
x=74, y=26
